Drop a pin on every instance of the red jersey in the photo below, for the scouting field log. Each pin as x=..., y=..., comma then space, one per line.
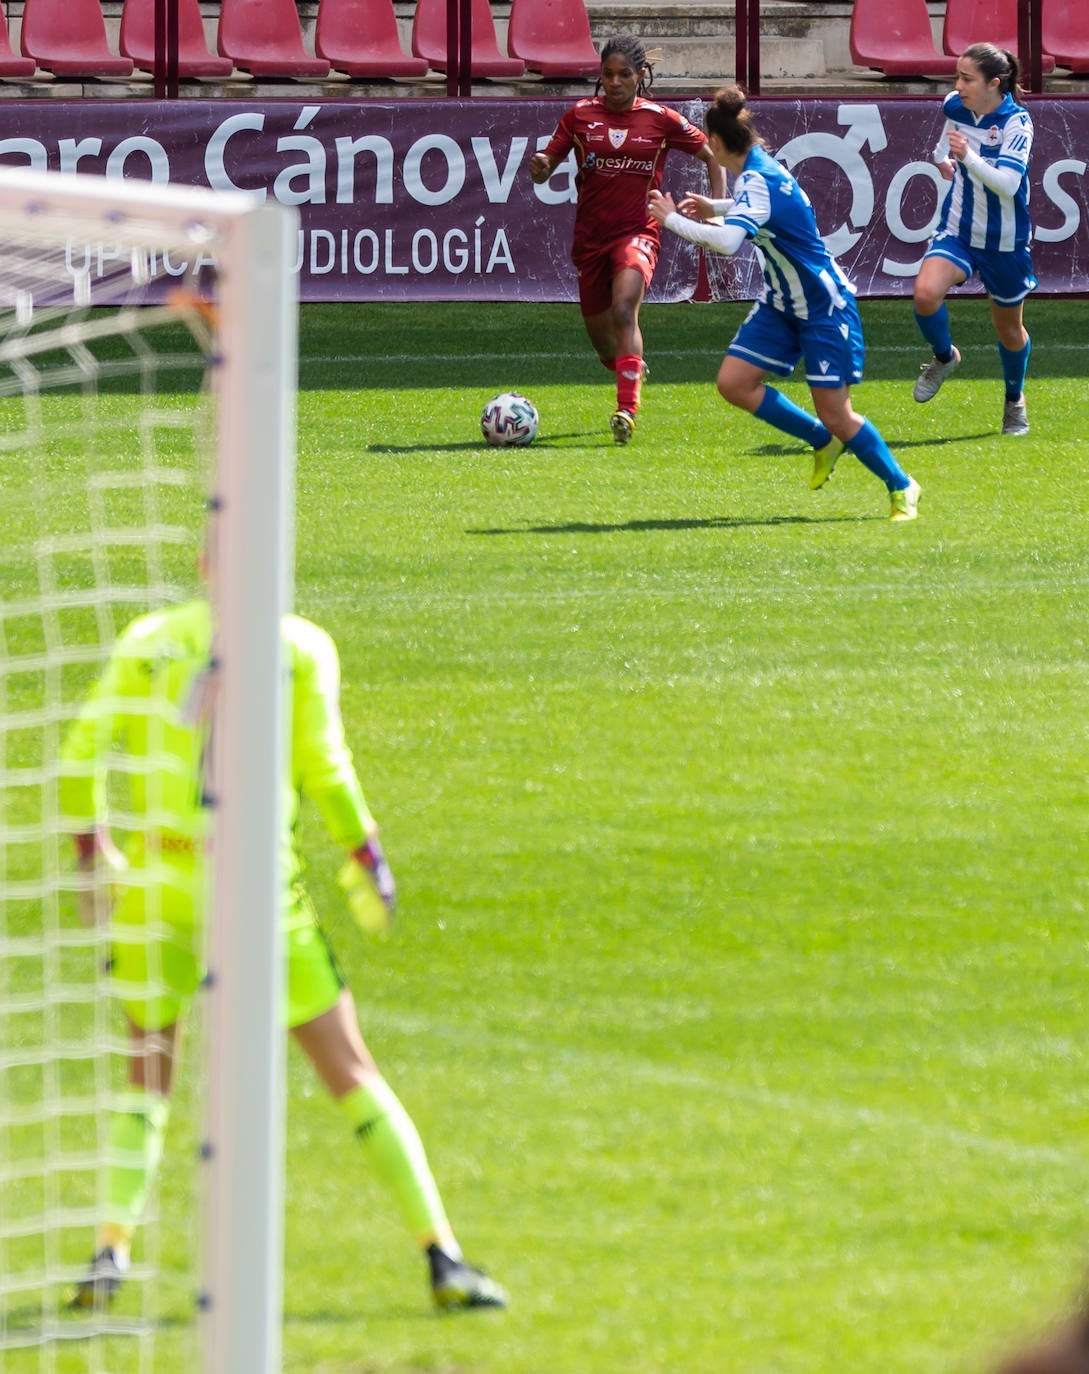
x=621, y=156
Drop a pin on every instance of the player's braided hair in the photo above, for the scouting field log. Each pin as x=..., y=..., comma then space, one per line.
x=729, y=116
x=634, y=52
x=993, y=61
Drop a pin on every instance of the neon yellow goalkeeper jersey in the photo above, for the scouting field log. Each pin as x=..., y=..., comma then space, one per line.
x=133, y=759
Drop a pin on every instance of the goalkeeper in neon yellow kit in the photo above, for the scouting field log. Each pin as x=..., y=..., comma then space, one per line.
x=144, y=724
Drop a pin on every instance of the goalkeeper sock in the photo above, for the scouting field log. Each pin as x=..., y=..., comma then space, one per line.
x=629, y=375
x=137, y=1130
x=935, y=330
x=396, y=1152
x=873, y=453
x=774, y=409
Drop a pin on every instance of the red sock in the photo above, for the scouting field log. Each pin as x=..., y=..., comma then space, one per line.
x=629, y=374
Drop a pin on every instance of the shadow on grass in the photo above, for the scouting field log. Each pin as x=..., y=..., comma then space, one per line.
x=939, y=441
x=78, y=1325
x=478, y=445
x=943, y=440
x=387, y=1315
x=558, y=440
x=714, y=522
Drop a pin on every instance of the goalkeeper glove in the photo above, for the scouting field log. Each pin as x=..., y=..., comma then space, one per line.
x=367, y=879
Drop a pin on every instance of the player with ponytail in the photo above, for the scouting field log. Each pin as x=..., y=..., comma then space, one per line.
x=984, y=227
x=806, y=308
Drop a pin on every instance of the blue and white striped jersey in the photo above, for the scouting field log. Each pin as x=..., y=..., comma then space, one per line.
x=971, y=211
x=801, y=278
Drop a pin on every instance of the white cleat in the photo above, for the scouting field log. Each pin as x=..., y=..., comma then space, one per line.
x=933, y=375
x=1015, y=417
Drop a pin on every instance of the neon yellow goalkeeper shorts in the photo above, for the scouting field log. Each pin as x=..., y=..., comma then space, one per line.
x=155, y=972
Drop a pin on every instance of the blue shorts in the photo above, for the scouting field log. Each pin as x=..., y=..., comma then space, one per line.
x=832, y=345
x=1007, y=277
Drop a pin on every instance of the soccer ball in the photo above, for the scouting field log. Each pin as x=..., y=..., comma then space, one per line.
x=509, y=420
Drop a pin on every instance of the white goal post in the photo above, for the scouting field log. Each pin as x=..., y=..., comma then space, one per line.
x=85, y=260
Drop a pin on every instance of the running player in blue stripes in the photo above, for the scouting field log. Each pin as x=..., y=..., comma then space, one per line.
x=984, y=225
x=806, y=307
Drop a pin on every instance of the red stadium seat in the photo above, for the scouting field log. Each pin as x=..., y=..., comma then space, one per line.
x=264, y=37
x=10, y=64
x=429, y=40
x=553, y=37
x=984, y=21
x=194, y=59
x=68, y=38
x=1066, y=33
x=360, y=37
x=895, y=37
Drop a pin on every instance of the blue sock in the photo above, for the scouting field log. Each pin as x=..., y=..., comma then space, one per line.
x=776, y=410
x=873, y=453
x=935, y=330
x=1014, y=367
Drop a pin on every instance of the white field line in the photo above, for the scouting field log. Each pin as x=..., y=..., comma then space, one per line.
x=906, y=1125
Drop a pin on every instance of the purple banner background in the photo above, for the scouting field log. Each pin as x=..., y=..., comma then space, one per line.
x=430, y=200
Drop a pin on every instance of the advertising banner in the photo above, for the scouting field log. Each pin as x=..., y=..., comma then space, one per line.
x=431, y=200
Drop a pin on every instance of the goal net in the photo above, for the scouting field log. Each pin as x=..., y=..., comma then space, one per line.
x=147, y=376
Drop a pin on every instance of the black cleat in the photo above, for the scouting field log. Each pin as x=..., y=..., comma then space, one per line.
x=456, y=1285
x=105, y=1275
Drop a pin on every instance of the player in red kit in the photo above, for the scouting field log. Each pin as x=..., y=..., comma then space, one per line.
x=620, y=141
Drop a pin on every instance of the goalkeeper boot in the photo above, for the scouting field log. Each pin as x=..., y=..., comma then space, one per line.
x=105, y=1275
x=824, y=462
x=932, y=376
x=622, y=425
x=1015, y=417
x=905, y=503
x=456, y=1285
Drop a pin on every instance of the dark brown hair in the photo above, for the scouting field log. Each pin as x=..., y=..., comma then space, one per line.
x=729, y=116
x=992, y=62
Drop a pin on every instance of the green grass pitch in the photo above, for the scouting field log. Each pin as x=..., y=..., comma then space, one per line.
x=739, y=984
x=739, y=987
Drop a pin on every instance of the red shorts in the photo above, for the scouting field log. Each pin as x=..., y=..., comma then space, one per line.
x=597, y=268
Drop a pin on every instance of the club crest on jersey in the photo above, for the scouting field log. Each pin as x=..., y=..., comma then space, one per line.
x=994, y=135
x=617, y=136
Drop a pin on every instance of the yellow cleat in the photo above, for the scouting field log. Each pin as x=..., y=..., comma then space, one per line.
x=905, y=503
x=824, y=462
